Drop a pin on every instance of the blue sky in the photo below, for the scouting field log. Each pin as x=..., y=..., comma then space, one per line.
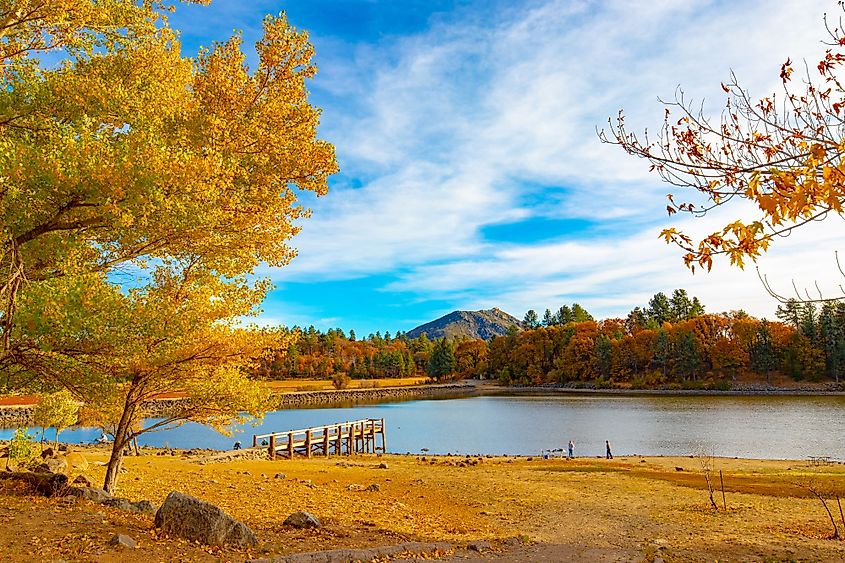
x=471, y=174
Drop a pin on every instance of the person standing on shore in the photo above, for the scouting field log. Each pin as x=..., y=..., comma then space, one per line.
x=607, y=445
x=571, y=450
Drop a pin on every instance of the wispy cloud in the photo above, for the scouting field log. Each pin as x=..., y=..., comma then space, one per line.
x=449, y=129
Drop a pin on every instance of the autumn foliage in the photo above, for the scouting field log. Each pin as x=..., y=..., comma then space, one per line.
x=783, y=154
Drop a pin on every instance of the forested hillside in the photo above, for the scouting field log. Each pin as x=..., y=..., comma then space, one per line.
x=671, y=341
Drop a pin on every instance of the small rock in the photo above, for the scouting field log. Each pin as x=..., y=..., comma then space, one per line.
x=83, y=481
x=302, y=519
x=123, y=540
x=679, y=469
x=374, y=488
x=480, y=546
x=144, y=507
x=354, y=487
x=279, y=476
x=89, y=493
x=263, y=475
x=118, y=503
x=382, y=465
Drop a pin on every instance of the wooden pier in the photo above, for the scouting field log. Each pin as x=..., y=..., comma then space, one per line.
x=342, y=438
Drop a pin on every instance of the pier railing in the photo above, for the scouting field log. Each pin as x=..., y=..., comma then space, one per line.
x=357, y=436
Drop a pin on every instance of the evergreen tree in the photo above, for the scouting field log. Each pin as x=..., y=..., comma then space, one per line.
x=680, y=306
x=352, y=335
x=604, y=355
x=697, y=308
x=662, y=351
x=442, y=360
x=762, y=354
x=808, y=322
x=832, y=338
x=688, y=357
x=659, y=310
x=580, y=314
x=790, y=313
x=635, y=320
x=564, y=315
x=530, y=321
x=548, y=318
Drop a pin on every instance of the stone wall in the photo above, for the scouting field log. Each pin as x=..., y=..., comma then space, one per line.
x=12, y=417
x=345, y=396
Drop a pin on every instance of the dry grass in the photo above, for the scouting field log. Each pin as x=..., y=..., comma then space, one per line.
x=639, y=504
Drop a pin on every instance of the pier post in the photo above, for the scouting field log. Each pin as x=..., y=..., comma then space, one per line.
x=383, y=438
x=290, y=445
x=308, y=443
x=337, y=443
x=325, y=441
x=272, y=446
x=254, y=441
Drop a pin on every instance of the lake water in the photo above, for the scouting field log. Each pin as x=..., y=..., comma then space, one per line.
x=785, y=427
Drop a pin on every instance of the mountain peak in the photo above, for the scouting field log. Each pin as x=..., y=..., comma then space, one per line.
x=484, y=324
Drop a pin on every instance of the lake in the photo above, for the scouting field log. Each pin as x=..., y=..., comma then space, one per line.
x=780, y=427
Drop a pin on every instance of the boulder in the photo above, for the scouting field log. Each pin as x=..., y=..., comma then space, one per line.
x=374, y=488
x=76, y=462
x=382, y=465
x=57, y=464
x=196, y=520
x=302, y=519
x=122, y=540
x=89, y=493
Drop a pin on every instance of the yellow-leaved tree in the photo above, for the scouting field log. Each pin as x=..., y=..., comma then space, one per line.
x=784, y=154
x=179, y=334
x=139, y=189
x=126, y=151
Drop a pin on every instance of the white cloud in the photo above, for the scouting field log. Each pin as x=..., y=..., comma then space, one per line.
x=451, y=126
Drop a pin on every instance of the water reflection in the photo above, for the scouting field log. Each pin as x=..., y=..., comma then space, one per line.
x=756, y=427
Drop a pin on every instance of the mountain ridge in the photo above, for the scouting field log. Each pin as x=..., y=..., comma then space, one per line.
x=483, y=324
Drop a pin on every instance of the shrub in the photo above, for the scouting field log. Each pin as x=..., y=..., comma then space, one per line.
x=340, y=381
x=22, y=450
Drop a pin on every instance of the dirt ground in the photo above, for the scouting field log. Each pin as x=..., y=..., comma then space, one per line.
x=627, y=509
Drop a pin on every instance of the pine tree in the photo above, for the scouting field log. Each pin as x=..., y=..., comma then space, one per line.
x=790, y=313
x=530, y=321
x=564, y=315
x=442, y=360
x=548, y=318
x=680, y=306
x=659, y=309
x=604, y=355
x=580, y=314
x=762, y=354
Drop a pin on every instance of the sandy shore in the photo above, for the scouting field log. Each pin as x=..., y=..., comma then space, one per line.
x=622, y=509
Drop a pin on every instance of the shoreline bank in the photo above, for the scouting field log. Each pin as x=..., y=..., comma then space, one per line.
x=559, y=507
x=737, y=391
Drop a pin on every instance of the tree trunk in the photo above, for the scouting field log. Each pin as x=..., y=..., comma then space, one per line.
x=121, y=438
x=115, y=461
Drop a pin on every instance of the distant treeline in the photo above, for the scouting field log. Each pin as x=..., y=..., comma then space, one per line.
x=672, y=341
